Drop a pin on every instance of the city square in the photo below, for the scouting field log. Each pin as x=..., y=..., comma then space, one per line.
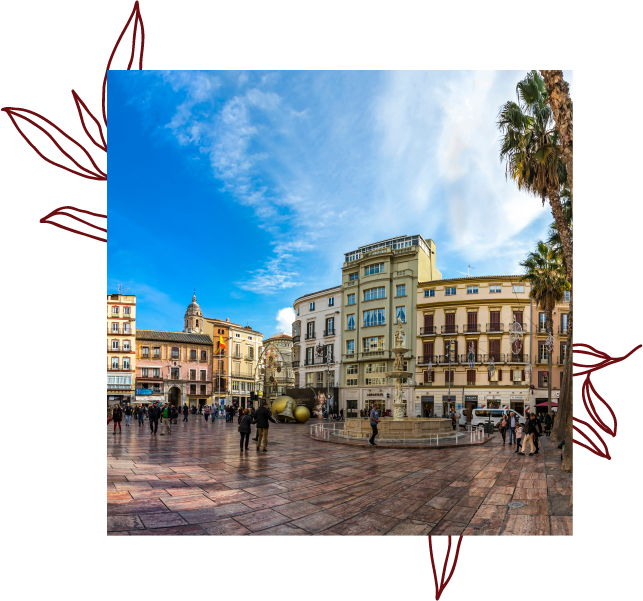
x=197, y=482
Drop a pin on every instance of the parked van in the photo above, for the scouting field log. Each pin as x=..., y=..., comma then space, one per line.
x=480, y=416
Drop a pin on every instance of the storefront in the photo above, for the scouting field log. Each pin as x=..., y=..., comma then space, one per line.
x=470, y=403
x=517, y=403
x=148, y=399
x=493, y=402
x=448, y=404
x=427, y=406
x=120, y=399
x=197, y=400
x=355, y=400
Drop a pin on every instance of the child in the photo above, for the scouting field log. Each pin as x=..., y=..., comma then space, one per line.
x=518, y=437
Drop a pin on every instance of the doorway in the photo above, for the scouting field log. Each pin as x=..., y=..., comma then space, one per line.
x=427, y=408
x=174, y=396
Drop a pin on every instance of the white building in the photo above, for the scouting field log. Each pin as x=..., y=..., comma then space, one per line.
x=318, y=322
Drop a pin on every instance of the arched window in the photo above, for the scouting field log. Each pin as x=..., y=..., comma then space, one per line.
x=197, y=323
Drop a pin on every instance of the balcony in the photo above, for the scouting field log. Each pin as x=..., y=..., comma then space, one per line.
x=310, y=336
x=249, y=357
x=427, y=331
x=119, y=387
x=120, y=349
x=495, y=328
x=521, y=358
x=236, y=355
x=471, y=328
x=378, y=353
x=497, y=358
x=318, y=361
x=296, y=339
x=295, y=364
x=120, y=331
x=146, y=377
x=350, y=356
x=239, y=374
x=120, y=368
x=157, y=390
x=464, y=359
x=330, y=332
x=543, y=359
x=449, y=329
x=562, y=330
x=541, y=329
x=444, y=359
x=425, y=359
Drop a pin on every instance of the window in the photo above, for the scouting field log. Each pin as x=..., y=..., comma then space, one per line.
x=156, y=373
x=127, y=329
x=251, y=386
x=353, y=276
x=145, y=372
x=374, y=343
x=350, y=321
x=174, y=373
x=192, y=355
x=448, y=376
x=320, y=378
x=449, y=291
x=249, y=337
x=235, y=385
x=114, y=362
x=471, y=376
x=542, y=322
x=400, y=290
x=251, y=352
x=517, y=375
x=203, y=389
x=157, y=351
x=376, y=268
x=114, y=345
x=175, y=352
x=350, y=347
x=243, y=386
x=563, y=322
x=328, y=353
x=518, y=288
x=543, y=355
x=126, y=310
x=310, y=329
x=401, y=314
x=192, y=388
x=566, y=296
x=237, y=350
x=114, y=310
x=115, y=328
x=351, y=382
x=472, y=290
x=493, y=289
x=374, y=293
x=375, y=317
x=297, y=310
x=204, y=355
x=126, y=345
x=125, y=362
x=197, y=323
x=376, y=368
x=146, y=351
x=331, y=301
x=203, y=375
x=193, y=374
x=311, y=306
x=429, y=293
x=350, y=299
x=351, y=370
x=375, y=381
x=309, y=355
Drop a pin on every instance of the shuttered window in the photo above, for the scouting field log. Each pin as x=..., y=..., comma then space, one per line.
x=428, y=321
x=471, y=376
x=494, y=349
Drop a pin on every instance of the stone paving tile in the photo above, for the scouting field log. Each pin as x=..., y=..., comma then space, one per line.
x=173, y=531
x=197, y=482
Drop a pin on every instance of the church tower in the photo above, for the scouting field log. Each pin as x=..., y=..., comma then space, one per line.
x=193, y=318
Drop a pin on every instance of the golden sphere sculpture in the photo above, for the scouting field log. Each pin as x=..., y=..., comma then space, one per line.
x=302, y=414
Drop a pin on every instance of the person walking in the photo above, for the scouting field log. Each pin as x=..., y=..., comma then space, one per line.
x=518, y=437
x=185, y=413
x=528, y=437
x=341, y=414
x=154, y=413
x=138, y=414
x=547, y=424
x=374, y=420
x=206, y=413
x=511, y=426
x=128, y=415
x=117, y=416
x=262, y=417
x=165, y=421
x=174, y=416
x=502, y=428
x=537, y=432
x=245, y=421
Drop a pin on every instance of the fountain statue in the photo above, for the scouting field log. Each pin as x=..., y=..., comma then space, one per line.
x=398, y=373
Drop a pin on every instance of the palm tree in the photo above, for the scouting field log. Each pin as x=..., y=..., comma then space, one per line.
x=553, y=239
x=544, y=271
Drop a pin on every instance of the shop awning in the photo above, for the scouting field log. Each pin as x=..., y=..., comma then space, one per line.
x=545, y=404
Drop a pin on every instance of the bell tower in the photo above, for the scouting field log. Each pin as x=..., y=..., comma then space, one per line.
x=193, y=318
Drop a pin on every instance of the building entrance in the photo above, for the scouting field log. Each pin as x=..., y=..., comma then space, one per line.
x=174, y=396
x=351, y=407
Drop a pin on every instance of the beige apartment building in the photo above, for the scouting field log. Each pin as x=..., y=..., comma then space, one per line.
x=121, y=348
x=472, y=315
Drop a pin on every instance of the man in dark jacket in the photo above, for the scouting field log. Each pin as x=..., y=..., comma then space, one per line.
x=154, y=414
x=262, y=417
x=128, y=415
x=185, y=413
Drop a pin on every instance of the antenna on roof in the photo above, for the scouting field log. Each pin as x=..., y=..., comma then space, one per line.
x=467, y=274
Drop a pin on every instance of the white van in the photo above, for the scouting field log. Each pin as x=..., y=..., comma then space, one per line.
x=480, y=416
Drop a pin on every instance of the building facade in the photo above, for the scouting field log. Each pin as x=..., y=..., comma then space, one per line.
x=121, y=348
x=472, y=315
x=219, y=332
x=319, y=319
x=379, y=287
x=277, y=373
x=175, y=366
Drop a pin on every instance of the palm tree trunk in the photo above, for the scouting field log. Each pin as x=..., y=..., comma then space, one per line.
x=561, y=105
x=550, y=330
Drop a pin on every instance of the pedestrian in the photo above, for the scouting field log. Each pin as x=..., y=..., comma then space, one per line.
x=165, y=421
x=174, y=415
x=518, y=437
x=262, y=417
x=512, y=427
x=117, y=416
x=453, y=418
x=245, y=428
x=206, y=413
x=537, y=432
x=341, y=414
x=374, y=420
x=502, y=428
x=154, y=413
x=139, y=414
x=185, y=413
x=128, y=415
x=547, y=424
x=528, y=433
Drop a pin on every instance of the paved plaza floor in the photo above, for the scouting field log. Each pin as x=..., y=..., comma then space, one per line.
x=196, y=482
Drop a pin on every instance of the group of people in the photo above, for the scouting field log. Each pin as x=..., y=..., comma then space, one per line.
x=247, y=418
x=535, y=426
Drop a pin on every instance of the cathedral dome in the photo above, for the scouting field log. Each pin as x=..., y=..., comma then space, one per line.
x=193, y=307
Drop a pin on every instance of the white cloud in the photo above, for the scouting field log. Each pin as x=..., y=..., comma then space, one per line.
x=285, y=317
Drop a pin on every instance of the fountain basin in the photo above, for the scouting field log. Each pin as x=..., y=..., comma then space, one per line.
x=405, y=428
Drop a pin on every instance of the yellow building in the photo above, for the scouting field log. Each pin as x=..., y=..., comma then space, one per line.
x=121, y=348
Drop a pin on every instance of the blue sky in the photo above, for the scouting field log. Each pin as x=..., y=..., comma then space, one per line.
x=250, y=186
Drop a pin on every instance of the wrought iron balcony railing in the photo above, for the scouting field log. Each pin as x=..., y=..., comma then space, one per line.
x=495, y=328
x=427, y=331
x=471, y=328
x=449, y=329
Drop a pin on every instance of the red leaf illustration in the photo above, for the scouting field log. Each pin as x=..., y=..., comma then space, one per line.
x=52, y=131
x=439, y=589
x=588, y=388
x=138, y=21
x=61, y=212
x=82, y=108
x=594, y=447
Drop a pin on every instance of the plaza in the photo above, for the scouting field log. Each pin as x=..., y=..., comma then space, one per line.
x=196, y=482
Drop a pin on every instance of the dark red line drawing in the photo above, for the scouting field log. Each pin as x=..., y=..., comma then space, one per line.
x=587, y=389
x=61, y=211
x=85, y=116
x=439, y=589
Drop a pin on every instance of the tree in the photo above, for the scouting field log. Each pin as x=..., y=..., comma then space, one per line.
x=553, y=238
x=533, y=152
x=544, y=271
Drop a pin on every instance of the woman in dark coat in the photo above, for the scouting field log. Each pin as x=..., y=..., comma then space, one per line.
x=118, y=418
x=244, y=428
x=502, y=428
